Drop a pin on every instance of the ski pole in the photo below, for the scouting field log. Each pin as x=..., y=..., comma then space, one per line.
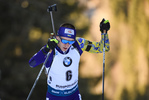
x=103, y=65
x=50, y=9
x=38, y=76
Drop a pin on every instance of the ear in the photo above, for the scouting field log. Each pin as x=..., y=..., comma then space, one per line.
x=57, y=37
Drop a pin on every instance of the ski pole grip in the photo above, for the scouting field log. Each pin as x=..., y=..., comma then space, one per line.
x=52, y=8
x=52, y=35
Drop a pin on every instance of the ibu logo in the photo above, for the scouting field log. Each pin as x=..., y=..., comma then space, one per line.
x=67, y=61
x=69, y=31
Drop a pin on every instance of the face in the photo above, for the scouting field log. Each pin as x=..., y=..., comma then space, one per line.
x=64, y=46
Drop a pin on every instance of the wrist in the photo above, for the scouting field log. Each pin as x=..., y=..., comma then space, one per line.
x=46, y=48
x=104, y=33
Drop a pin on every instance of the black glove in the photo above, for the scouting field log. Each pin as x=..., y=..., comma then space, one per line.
x=104, y=25
x=52, y=43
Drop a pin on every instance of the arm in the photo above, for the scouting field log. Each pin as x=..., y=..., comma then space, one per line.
x=93, y=47
x=96, y=47
x=41, y=55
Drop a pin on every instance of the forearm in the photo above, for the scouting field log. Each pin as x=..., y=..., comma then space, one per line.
x=38, y=58
x=97, y=47
x=94, y=47
x=107, y=43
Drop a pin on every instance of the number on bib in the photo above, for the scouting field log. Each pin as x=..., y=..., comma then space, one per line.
x=68, y=75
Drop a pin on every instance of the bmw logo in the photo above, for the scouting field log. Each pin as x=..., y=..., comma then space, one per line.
x=67, y=61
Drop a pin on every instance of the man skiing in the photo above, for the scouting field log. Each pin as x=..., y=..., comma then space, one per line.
x=63, y=62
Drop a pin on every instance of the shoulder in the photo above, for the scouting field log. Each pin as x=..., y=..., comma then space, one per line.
x=80, y=40
x=77, y=45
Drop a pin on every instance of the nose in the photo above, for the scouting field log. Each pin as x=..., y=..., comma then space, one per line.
x=67, y=44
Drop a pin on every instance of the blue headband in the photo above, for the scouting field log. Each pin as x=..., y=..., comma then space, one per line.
x=67, y=32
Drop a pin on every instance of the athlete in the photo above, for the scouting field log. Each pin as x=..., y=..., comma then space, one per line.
x=63, y=62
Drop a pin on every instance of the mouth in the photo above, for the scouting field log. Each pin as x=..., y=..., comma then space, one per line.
x=65, y=48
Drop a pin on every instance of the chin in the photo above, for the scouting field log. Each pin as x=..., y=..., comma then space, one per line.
x=64, y=50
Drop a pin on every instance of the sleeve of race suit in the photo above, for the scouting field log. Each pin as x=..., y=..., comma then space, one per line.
x=94, y=47
x=38, y=58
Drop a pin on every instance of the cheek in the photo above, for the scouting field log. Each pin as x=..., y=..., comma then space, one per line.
x=67, y=45
x=60, y=45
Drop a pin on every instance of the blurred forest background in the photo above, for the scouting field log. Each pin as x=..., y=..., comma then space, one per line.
x=25, y=26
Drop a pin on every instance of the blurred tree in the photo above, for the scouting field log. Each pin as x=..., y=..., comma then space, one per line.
x=132, y=21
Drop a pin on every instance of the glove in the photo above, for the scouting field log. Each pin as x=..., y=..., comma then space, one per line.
x=52, y=43
x=104, y=25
